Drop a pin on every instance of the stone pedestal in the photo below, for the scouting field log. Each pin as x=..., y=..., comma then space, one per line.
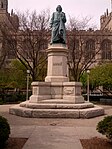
x=57, y=63
x=56, y=85
x=56, y=97
x=40, y=91
x=62, y=91
x=72, y=91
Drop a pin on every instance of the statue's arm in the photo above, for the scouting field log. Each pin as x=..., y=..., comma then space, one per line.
x=63, y=17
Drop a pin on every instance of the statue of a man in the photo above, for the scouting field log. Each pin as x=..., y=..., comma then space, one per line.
x=57, y=24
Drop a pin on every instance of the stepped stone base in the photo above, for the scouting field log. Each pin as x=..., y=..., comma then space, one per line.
x=56, y=97
x=56, y=110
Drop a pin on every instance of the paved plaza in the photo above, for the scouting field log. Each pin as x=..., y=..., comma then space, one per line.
x=44, y=133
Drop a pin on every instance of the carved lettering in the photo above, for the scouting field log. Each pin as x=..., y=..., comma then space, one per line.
x=57, y=64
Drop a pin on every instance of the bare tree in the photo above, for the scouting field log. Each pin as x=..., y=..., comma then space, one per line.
x=80, y=57
x=83, y=23
x=30, y=41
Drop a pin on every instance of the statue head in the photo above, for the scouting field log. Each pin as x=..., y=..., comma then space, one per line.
x=59, y=8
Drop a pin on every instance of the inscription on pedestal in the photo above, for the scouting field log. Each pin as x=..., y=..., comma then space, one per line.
x=57, y=64
x=68, y=91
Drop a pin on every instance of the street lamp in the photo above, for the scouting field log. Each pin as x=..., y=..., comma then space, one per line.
x=28, y=74
x=88, y=72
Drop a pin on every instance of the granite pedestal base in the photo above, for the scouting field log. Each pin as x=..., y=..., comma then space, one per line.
x=56, y=100
x=56, y=97
x=56, y=110
x=56, y=90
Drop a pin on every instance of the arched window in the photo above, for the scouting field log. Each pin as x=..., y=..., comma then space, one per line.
x=2, y=6
x=74, y=48
x=26, y=48
x=10, y=47
x=77, y=52
x=90, y=50
x=106, y=49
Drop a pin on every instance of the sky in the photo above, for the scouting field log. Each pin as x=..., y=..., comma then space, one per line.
x=74, y=8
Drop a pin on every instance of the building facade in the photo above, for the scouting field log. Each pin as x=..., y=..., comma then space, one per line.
x=90, y=44
x=7, y=22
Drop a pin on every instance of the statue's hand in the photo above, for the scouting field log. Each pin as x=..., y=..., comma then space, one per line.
x=62, y=15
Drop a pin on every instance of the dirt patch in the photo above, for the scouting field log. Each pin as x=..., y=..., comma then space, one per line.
x=96, y=143
x=93, y=143
x=15, y=143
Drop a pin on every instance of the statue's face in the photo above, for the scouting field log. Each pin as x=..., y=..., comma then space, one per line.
x=59, y=8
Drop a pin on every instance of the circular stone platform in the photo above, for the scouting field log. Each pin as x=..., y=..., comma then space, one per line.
x=56, y=109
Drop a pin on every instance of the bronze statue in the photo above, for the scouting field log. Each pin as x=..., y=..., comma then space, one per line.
x=57, y=24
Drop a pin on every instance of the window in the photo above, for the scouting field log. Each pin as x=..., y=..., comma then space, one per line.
x=106, y=49
x=73, y=45
x=27, y=48
x=90, y=49
x=11, y=49
x=76, y=49
x=2, y=5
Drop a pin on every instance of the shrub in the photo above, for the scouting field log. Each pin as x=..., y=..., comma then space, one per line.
x=14, y=97
x=1, y=101
x=4, y=131
x=105, y=127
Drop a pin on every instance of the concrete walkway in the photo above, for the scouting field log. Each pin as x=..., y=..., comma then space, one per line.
x=53, y=137
x=52, y=133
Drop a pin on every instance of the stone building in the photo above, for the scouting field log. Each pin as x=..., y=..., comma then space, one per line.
x=106, y=21
x=7, y=21
x=96, y=43
x=11, y=20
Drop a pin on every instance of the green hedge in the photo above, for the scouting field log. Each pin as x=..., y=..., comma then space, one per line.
x=13, y=97
x=105, y=127
x=4, y=131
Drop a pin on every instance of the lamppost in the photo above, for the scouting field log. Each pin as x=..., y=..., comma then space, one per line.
x=88, y=72
x=28, y=74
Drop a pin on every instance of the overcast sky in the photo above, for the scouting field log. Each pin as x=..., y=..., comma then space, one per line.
x=76, y=8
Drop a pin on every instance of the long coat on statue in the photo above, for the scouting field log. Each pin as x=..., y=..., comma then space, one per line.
x=57, y=24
